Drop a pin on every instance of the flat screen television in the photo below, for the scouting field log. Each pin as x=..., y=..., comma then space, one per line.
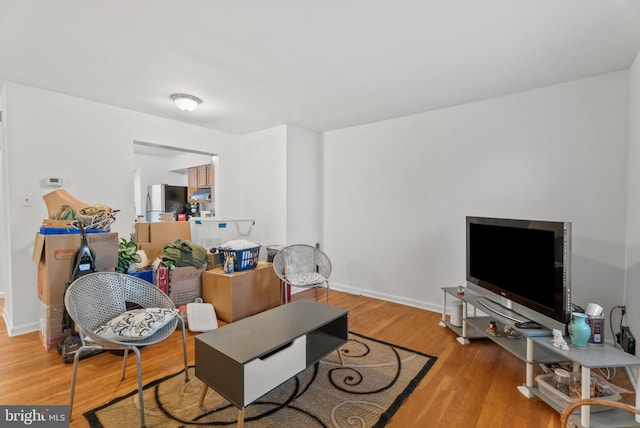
x=523, y=265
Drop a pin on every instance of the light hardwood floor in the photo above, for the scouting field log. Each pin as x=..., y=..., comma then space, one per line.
x=468, y=386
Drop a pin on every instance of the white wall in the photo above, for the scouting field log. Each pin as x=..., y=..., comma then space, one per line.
x=5, y=247
x=262, y=187
x=633, y=201
x=396, y=192
x=304, y=186
x=90, y=145
x=157, y=170
x=280, y=186
x=279, y=180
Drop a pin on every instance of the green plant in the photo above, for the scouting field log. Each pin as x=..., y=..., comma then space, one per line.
x=127, y=255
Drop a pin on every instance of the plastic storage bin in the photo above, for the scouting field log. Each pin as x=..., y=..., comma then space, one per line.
x=547, y=388
x=242, y=259
x=147, y=275
x=272, y=250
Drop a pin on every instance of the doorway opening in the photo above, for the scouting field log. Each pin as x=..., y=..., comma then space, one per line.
x=159, y=164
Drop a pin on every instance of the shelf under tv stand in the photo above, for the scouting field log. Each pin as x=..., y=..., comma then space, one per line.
x=534, y=346
x=474, y=327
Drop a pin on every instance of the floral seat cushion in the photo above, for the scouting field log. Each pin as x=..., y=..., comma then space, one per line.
x=136, y=324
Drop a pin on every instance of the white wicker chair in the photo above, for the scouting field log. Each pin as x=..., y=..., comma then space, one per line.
x=303, y=266
x=96, y=298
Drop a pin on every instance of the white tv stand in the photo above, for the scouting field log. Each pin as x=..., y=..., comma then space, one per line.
x=534, y=346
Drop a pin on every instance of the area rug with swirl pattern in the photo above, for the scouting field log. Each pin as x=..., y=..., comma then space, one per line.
x=366, y=391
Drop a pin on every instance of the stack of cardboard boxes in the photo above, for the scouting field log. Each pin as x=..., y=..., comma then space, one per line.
x=53, y=255
x=184, y=284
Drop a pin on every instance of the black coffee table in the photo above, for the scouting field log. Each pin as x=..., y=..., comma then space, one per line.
x=244, y=360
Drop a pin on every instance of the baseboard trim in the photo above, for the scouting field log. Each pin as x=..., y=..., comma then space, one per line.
x=18, y=330
x=420, y=304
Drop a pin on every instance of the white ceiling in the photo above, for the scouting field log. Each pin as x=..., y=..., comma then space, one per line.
x=316, y=64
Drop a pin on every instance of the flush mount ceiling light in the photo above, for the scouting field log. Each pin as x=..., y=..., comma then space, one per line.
x=186, y=102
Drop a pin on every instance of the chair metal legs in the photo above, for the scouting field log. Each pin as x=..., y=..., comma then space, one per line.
x=76, y=358
x=124, y=368
x=140, y=391
x=316, y=289
x=124, y=363
x=318, y=286
x=284, y=295
x=327, y=292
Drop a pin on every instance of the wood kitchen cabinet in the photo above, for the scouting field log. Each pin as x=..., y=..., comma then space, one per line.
x=201, y=177
x=193, y=177
x=210, y=179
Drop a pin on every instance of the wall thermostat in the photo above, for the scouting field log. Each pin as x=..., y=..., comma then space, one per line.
x=54, y=181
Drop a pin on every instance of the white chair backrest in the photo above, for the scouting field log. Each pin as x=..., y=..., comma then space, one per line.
x=301, y=258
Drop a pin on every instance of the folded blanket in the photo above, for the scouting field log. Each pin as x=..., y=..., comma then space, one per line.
x=184, y=253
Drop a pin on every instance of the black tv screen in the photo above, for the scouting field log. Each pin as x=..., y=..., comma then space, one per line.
x=524, y=261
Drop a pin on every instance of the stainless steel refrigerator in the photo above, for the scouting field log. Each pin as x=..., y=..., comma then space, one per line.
x=162, y=198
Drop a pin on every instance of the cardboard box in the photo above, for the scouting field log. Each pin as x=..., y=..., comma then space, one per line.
x=142, y=233
x=159, y=235
x=54, y=253
x=153, y=250
x=169, y=231
x=56, y=224
x=51, y=325
x=241, y=294
x=185, y=284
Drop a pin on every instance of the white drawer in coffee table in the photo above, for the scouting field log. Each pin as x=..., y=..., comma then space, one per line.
x=265, y=373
